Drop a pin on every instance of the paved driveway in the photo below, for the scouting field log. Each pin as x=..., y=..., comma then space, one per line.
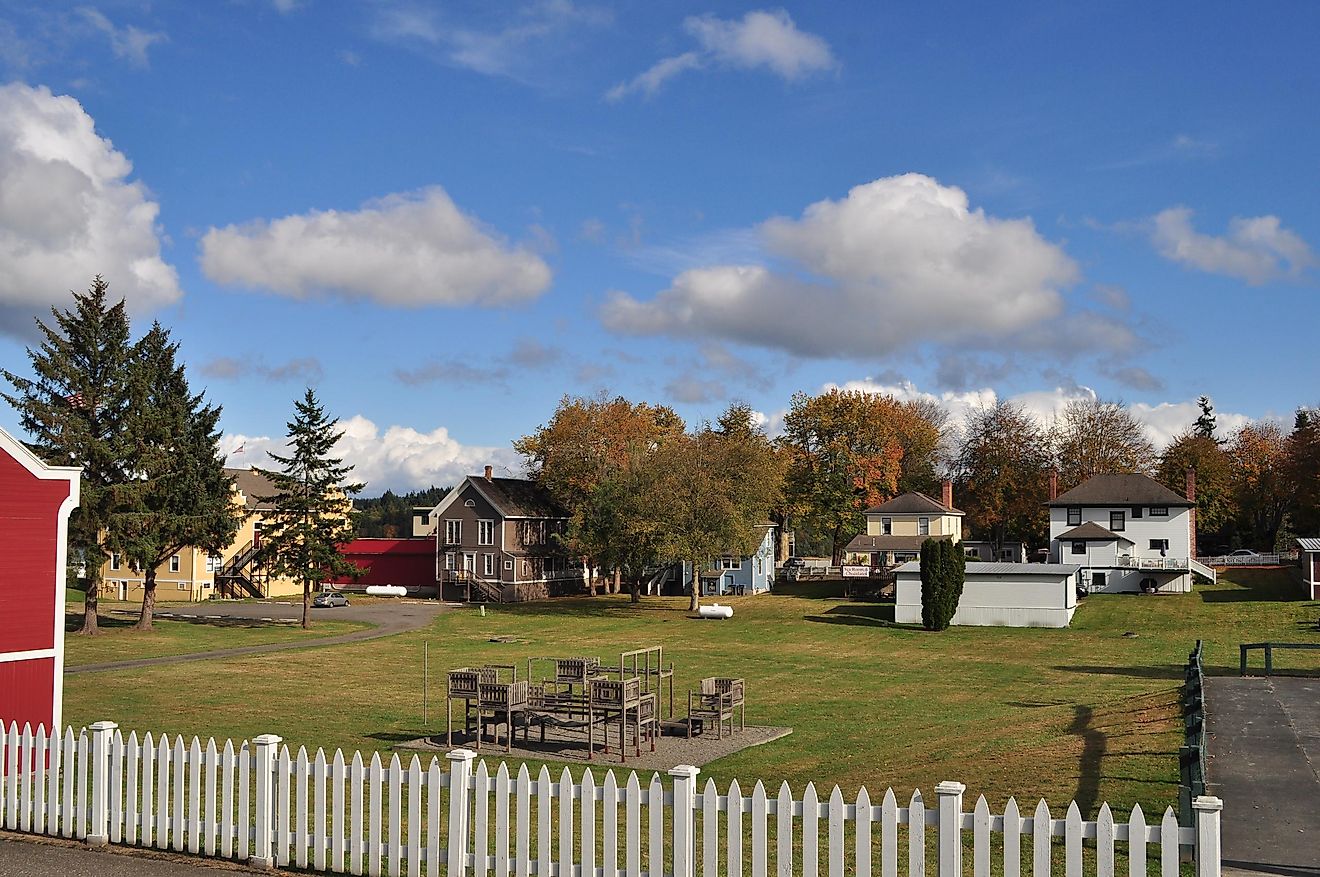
x=386, y=619
x=1265, y=749
x=32, y=858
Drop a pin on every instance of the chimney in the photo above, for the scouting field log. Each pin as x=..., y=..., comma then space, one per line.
x=489, y=472
x=947, y=496
x=1190, y=492
x=1054, y=485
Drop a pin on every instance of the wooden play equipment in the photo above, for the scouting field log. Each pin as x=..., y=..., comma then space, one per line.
x=717, y=702
x=648, y=664
x=465, y=684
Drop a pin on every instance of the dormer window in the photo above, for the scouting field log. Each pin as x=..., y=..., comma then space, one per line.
x=1074, y=515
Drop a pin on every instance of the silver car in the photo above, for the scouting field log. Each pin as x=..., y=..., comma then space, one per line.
x=329, y=600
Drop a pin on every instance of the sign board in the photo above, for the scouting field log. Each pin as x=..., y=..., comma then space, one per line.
x=856, y=572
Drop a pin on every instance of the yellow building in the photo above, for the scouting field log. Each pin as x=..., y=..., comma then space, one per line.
x=193, y=574
x=896, y=529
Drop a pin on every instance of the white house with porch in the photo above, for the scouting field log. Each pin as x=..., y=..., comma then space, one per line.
x=1127, y=533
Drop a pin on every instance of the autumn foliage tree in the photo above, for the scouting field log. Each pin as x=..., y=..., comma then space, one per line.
x=1096, y=437
x=1002, y=472
x=1215, y=506
x=850, y=450
x=1261, y=487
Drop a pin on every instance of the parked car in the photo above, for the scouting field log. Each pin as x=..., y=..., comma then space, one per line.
x=794, y=563
x=1244, y=552
x=329, y=600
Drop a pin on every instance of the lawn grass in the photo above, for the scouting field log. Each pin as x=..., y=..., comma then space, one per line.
x=117, y=640
x=1085, y=713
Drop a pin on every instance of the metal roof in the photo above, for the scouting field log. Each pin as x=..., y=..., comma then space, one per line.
x=1006, y=569
x=1309, y=544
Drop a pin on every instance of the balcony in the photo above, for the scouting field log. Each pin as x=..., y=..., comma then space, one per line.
x=1168, y=564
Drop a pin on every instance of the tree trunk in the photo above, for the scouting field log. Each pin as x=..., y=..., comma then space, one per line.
x=89, y=627
x=695, y=602
x=636, y=590
x=589, y=573
x=148, y=600
x=307, y=604
x=618, y=582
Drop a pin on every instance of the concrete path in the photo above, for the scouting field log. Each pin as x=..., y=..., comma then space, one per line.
x=43, y=858
x=1265, y=749
x=386, y=619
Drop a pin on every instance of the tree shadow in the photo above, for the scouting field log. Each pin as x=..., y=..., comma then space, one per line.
x=862, y=615
x=73, y=622
x=1094, y=743
x=1133, y=672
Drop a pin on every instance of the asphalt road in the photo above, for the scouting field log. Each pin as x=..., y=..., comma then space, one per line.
x=386, y=619
x=1264, y=739
x=28, y=858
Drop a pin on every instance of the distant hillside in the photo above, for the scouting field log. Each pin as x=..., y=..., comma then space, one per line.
x=390, y=514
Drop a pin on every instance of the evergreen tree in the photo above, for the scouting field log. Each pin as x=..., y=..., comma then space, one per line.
x=312, y=513
x=943, y=571
x=183, y=498
x=1206, y=423
x=74, y=409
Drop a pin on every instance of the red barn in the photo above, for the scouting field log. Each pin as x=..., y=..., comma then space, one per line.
x=35, y=501
x=407, y=562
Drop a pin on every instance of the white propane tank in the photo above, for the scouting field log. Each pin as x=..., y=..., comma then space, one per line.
x=715, y=610
x=386, y=591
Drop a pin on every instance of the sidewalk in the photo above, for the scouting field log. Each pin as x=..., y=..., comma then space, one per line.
x=39, y=857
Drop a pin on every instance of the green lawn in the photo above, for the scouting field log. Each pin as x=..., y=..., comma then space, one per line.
x=1085, y=713
x=119, y=642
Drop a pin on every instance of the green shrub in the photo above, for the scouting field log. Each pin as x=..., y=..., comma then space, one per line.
x=943, y=570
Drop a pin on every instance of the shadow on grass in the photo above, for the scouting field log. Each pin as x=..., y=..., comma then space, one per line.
x=73, y=622
x=1255, y=586
x=1094, y=743
x=862, y=615
x=829, y=589
x=1134, y=672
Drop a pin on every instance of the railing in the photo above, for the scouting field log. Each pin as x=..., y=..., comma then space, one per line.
x=1273, y=559
x=261, y=803
x=1202, y=569
x=1177, y=564
x=1268, y=648
x=1192, y=755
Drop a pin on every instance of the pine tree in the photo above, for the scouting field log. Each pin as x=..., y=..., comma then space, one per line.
x=184, y=498
x=1206, y=422
x=73, y=410
x=312, y=513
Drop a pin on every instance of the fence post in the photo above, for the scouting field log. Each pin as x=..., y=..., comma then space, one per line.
x=460, y=771
x=685, y=804
x=1243, y=670
x=1269, y=659
x=98, y=833
x=264, y=750
x=950, y=795
x=1207, y=810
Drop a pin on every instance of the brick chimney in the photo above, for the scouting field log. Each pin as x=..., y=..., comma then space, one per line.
x=490, y=472
x=1190, y=492
x=1054, y=485
x=947, y=496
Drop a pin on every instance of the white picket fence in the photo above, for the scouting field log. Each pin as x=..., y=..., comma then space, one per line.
x=261, y=803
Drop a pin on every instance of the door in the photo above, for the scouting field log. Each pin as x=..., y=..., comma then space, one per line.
x=123, y=591
x=1097, y=581
x=469, y=563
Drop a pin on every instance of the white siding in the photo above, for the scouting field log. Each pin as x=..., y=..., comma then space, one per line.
x=997, y=600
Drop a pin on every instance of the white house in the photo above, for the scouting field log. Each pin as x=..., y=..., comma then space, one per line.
x=999, y=595
x=1127, y=533
x=1308, y=553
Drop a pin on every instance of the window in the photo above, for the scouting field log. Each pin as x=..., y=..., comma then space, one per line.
x=453, y=531
x=183, y=586
x=730, y=563
x=508, y=564
x=1074, y=515
x=115, y=560
x=488, y=565
x=470, y=503
x=887, y=526
x=1159, y=545
x=426, y=518
x=1136, y=513
x=449, y=561
x=485, y=532
x=1097, y=581
x=1159, y=511
x=1079, y=548
x=972, y=552
x=923, y=526
x=214, y=563
x=1117, y=521
x=174, y=563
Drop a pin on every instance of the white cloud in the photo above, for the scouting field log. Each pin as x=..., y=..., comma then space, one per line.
x=398, y=458
x=303, y=369
x=68, y=212
x=1256, y=249
x=898, y=262
x=761, y=39
x=129, y=43
x=406, y=250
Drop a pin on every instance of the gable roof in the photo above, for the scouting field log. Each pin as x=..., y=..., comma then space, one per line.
x=863, y=542
x=1120, y=490
x=1091, y=532
x=913, y=503
x=510, y=497
x=253, y=486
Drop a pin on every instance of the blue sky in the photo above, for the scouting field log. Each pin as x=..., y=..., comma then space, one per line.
x=445, y=216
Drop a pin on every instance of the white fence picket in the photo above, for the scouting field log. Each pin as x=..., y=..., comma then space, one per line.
x=157, y=793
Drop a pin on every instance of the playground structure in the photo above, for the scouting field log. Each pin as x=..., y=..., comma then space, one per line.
x=609, y=707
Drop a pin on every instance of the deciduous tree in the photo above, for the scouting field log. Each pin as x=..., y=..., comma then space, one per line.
x=1003, y=473
x=1095, y=437
x=311, y=516
x=1303, y=472
x=1261, y=487
x=73, y=410
x=1215, y=509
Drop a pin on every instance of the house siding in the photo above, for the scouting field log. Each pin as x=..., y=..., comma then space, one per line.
x=1102, y=557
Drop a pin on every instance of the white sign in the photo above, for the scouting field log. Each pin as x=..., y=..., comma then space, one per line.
x=856, y=572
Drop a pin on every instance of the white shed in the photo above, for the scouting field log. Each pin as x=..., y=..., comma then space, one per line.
x=999, y=595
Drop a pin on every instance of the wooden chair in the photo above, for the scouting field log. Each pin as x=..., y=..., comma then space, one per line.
x=717, y=701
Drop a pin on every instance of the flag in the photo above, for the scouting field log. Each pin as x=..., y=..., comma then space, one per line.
x=239, y=449
x=76, y=400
